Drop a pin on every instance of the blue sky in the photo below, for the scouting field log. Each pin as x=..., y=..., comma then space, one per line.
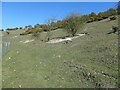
x=20, y=14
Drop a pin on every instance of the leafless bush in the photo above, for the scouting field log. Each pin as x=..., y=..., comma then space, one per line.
x=73, y=22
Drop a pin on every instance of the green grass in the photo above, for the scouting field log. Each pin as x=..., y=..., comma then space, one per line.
x=43, y=65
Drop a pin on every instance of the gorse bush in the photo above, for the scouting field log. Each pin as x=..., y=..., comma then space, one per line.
x=111, y=12
x=71, y=24
x=102, y=15
x=36, y=35
x=113, y=18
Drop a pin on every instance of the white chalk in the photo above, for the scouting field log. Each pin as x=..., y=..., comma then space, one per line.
x=9, y=58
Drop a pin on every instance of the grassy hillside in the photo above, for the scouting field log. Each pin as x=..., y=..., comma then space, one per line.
x=88, y=61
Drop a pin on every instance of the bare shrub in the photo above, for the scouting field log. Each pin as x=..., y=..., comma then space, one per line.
x=73, y=22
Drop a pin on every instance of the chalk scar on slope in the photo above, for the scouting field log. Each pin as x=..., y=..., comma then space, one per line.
x=14, y=36
x=27, y=41
x=66, y=39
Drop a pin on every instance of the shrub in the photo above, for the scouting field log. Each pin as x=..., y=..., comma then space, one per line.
x=113, y=18
x=111, y=12
x=93, y=16
x=49, y=23
x=72, y=23
x=99, y=18
x=118, y=8
x=2, y=30
x=20, y=28
x=31, y=31
x=36, y=34
x=91, y=19
x=24, y=33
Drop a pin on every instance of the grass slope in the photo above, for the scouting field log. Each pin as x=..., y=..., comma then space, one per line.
x=87, y=62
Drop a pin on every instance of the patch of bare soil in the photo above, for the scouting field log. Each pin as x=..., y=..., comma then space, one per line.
x=27, y=41
x=57, y=40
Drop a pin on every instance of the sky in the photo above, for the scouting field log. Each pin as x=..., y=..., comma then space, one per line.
x=20, y=14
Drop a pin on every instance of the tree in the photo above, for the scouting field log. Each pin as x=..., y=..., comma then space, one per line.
x=1, y=29
x=118, y=8
x=111, y=12
x=85, y=18
x=20, y=27
x=43, y=26
x=49, y=28
x=36, y=33
x=92, y=14
x=30, y=27
x=16, y=28
x=37, y=25
x=72, y=23
x=26, y=27
x=102, y=15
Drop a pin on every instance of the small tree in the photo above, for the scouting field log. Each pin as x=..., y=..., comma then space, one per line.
x=2, y=30
x=26, y=27
x=36, y=33
x=72, y=23
x=20, y=27
x=30, y=27
x=59, y=24
x=37, y=25
x=118, y=8
x=49, y=23
x=16, y=28
x=100, y=14
x=92, y=15
x=111, y=12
